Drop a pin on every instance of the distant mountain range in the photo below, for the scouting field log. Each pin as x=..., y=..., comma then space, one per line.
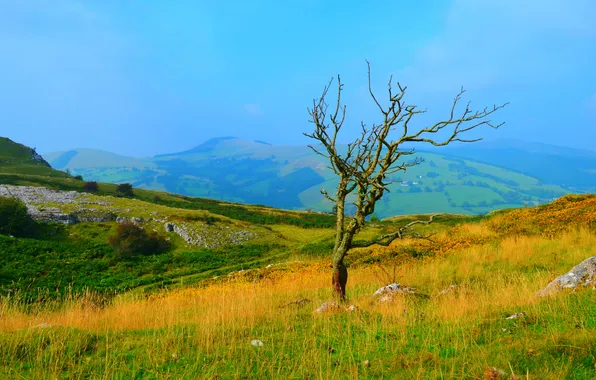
x=469, y=178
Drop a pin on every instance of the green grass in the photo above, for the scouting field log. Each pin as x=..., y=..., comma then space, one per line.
x=78, y=259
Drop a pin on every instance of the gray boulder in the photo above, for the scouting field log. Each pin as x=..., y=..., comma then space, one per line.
x=386, y=293
x=581, y=276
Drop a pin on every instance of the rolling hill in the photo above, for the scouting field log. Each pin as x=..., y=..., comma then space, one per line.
x=574, y=169
x=291, y=177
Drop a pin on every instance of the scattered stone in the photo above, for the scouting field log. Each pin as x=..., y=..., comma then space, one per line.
x=516, y=315
x=366, y=363
x=581, y=276
x=257, y=343
x=209, y=236
x=394, y=288
x=351, y=308
x=37, y=198
x=387, y=293
x=328, y=307
x=450, y=289
x=136, y=221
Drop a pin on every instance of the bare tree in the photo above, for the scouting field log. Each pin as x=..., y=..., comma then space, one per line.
x=368, y=163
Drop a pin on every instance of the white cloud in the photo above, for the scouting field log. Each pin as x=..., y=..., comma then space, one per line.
x=253, y=109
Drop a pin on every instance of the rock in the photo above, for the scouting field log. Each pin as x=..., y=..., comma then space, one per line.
x=257, y=343
x=450, y=289
x=136, y=221
x=386, y=293
x=169, y=227
x=581, y=276
x=328, y=307
x=516, y=315
x=43, y=326
x=366, y=363
x=395, y=288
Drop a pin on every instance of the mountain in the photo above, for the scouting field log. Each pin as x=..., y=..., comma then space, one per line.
x=573, y=169
x=92, y=158
x=291, y=177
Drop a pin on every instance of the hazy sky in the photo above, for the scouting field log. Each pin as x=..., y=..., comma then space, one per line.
x=147, y=77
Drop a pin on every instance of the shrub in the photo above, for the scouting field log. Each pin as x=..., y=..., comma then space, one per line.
x=374, y=218
x=79, y=177
x=14, y=218
x=129, y=240
x=90, y=187
x=124, y=190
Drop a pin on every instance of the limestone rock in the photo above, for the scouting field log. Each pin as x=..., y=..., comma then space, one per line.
x=328, y=307
x=516, y=315
x=386, y=293
x=581, y=276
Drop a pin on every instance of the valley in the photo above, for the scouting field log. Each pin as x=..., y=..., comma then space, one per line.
x=290, y=177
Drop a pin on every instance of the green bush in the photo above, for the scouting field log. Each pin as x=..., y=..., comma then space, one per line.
x=130, y=240
x=124, y=190
x=14, y=218
x=90, y=187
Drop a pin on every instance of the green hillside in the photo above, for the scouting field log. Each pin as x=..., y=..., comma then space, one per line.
x=291, y=177
x=17, y=158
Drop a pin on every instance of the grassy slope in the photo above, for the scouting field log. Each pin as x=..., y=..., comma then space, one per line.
x=206, y=331
x=18, y=159
x=90, y=263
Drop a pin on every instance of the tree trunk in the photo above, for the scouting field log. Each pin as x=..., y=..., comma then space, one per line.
x=339, y=281
x=340, y=272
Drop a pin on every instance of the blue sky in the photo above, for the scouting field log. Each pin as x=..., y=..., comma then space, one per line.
x=147, y=77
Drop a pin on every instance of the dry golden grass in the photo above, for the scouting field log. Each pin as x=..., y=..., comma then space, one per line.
x=487, y=278
x=458, y=334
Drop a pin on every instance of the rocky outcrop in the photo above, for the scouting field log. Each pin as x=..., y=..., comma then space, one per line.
x=38, y=158
x=36, y=197
x=45, y=205
x=209, y=236
x=581, y=276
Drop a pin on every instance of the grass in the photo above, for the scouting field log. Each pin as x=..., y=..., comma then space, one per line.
x=205, y=331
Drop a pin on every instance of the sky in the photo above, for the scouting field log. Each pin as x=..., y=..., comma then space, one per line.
x=146, y=77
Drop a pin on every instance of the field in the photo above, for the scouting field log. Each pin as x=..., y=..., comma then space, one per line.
x=491, y=268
